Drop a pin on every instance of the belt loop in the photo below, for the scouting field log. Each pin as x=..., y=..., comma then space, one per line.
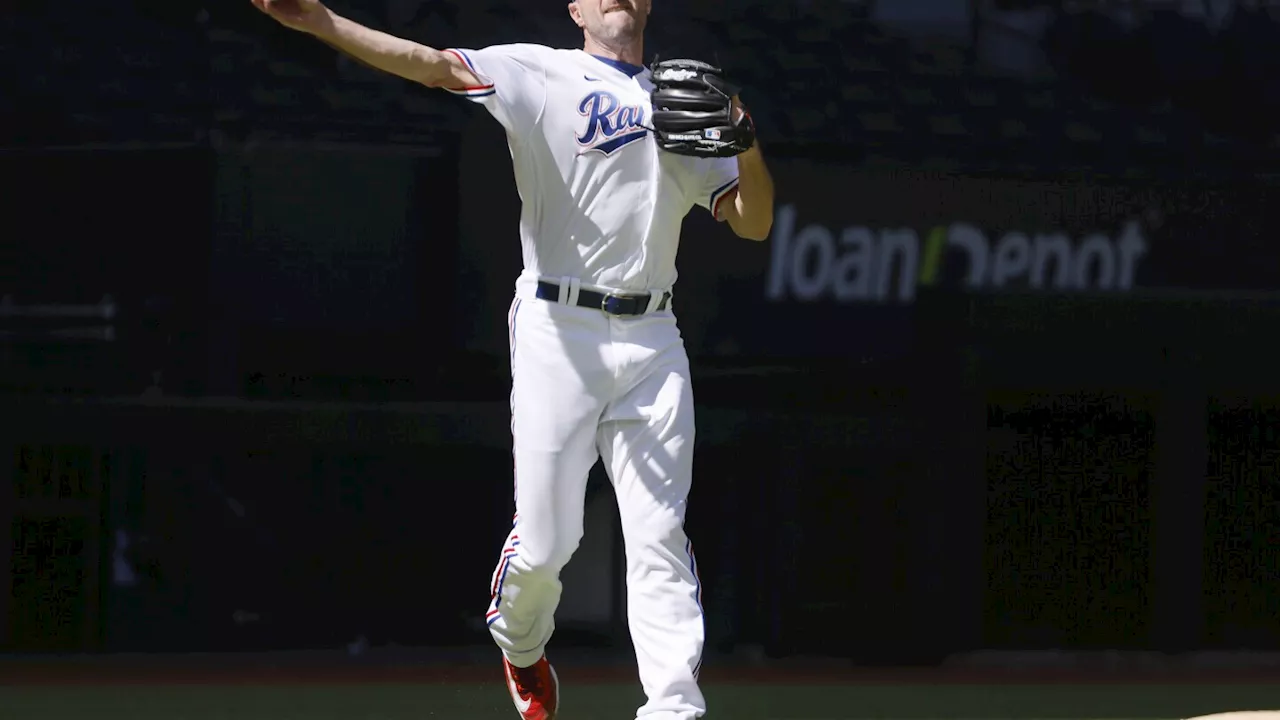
x=658, y=300
x=562, y=289
x=655, y=297
x=574, y=287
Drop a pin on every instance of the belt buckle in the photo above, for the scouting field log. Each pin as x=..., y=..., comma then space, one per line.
x=610, y=303
x=607, y=305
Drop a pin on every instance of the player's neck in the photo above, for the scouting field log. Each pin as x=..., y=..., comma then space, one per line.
x=632, y=54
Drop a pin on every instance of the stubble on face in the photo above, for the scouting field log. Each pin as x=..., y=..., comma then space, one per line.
x=614, y=22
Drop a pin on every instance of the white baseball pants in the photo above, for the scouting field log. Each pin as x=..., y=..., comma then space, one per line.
x=587, y=385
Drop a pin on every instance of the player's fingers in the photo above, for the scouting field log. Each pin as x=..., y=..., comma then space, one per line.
x=260, y=4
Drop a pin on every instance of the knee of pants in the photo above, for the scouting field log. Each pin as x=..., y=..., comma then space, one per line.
x=551, y=555
x=660, y=535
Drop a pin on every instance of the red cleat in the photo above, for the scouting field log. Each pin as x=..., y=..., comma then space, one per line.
x=535, y=690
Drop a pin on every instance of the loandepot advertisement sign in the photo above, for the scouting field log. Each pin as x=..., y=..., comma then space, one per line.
x=811, y=261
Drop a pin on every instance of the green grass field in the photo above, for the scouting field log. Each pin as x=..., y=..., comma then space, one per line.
x=608, y=701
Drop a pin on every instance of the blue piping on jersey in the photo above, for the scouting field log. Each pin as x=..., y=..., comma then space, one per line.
x=626, y=68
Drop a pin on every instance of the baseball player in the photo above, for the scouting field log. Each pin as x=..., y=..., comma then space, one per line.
x=609, y=158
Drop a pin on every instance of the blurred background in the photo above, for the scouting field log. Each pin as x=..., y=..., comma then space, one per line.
x=1000, y=386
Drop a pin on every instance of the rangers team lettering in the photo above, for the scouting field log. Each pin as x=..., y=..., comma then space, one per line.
x=610, y=124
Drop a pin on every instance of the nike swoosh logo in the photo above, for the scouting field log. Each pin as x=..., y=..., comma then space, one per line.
x=522, y=704
x=588, y=78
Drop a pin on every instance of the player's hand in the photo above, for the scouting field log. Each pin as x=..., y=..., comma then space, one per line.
x=309, y=16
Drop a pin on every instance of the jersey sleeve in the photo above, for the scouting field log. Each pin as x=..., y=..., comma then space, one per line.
x=513, y=83
x=719, y=182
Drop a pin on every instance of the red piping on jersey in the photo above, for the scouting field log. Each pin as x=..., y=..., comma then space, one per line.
x=715, y=211
x=466, y=61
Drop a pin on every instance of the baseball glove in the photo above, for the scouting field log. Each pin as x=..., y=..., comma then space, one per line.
x=693, y=111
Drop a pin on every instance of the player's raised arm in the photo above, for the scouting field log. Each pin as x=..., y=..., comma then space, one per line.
x=749, y=211
x=697, y=113
x=398, y=56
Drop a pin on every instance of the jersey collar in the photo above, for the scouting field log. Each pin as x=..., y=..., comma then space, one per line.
x=625, y=68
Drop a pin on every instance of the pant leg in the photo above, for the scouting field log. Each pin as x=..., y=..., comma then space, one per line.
x=556, y=401
x=647, y=444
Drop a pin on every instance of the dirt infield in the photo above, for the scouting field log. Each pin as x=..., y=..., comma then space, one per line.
x=339, y=669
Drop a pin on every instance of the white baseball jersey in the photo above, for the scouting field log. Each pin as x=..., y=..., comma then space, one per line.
x=601, y=202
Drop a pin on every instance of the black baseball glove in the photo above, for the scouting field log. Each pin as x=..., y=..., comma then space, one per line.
x=693, y=111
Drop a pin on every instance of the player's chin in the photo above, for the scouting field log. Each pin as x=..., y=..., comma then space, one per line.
x=623, y=24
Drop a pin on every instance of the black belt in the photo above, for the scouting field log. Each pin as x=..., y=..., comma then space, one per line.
x=612, y=304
